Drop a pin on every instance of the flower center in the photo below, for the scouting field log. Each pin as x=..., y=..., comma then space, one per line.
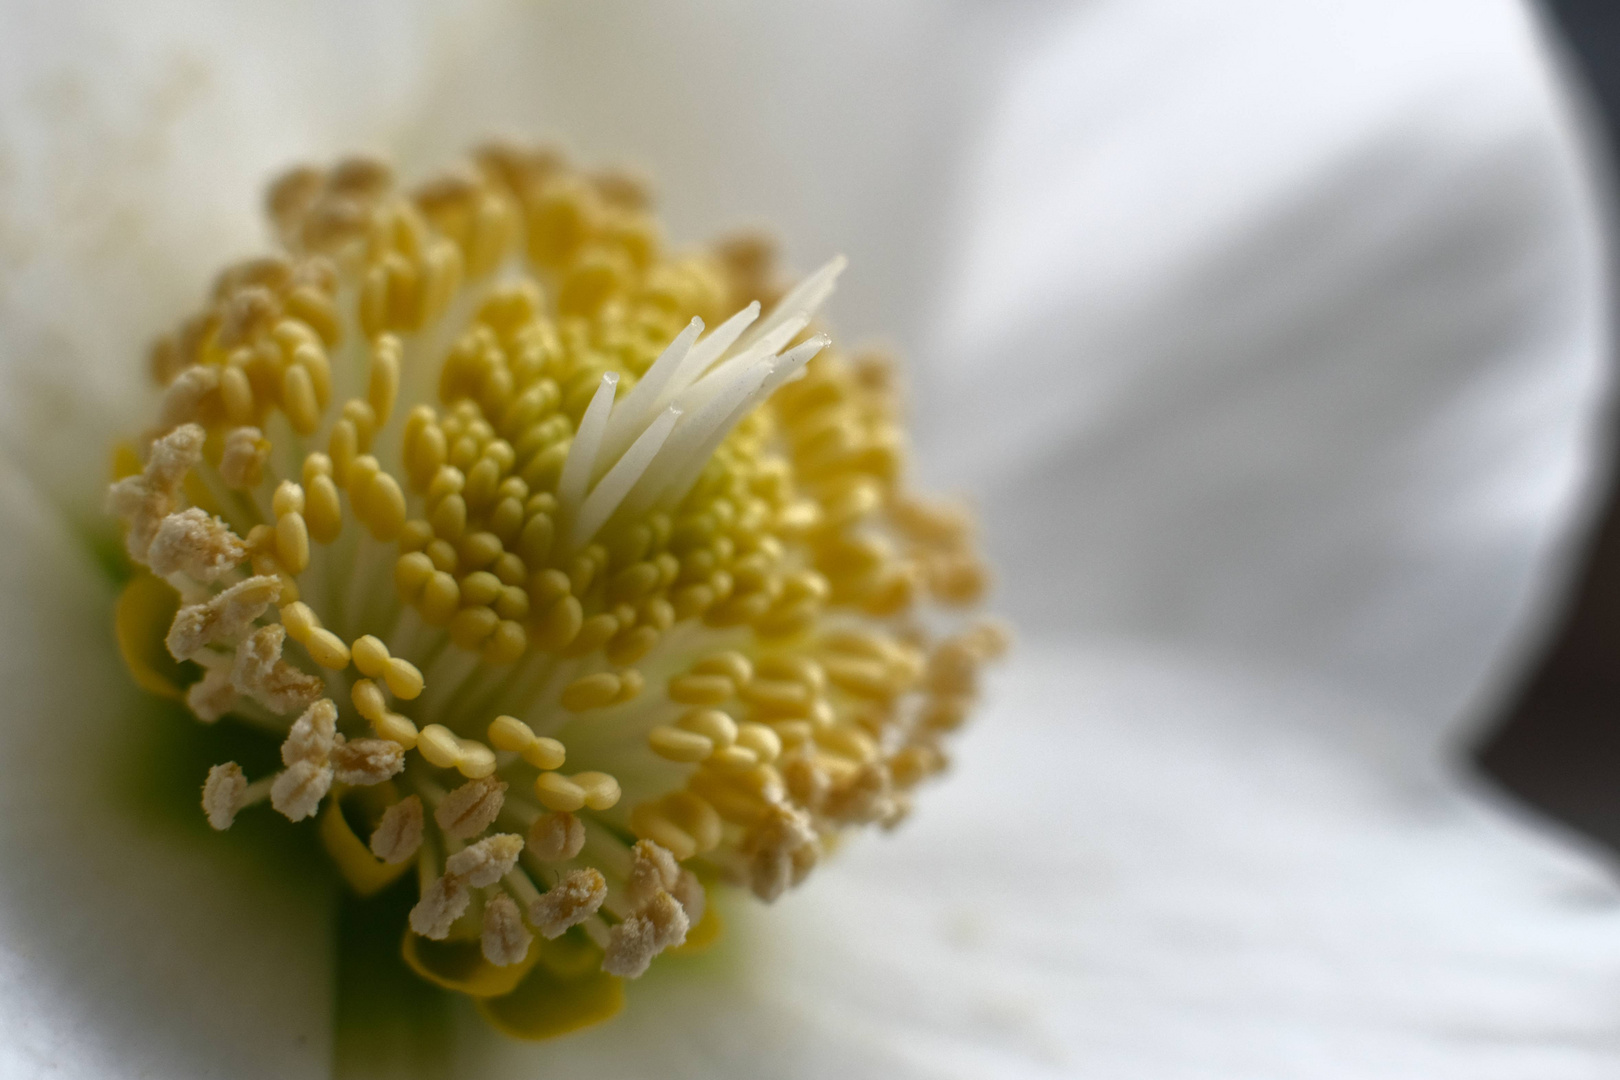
x=551, y=592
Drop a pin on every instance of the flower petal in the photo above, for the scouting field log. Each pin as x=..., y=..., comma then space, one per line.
x=134, y=941
x=1149, y=864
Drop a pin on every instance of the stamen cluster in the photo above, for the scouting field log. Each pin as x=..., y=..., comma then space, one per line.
x=549, y=595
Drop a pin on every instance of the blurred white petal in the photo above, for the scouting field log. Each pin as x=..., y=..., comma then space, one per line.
x=132, y=941
x=1301, y=305
x=1289, y=320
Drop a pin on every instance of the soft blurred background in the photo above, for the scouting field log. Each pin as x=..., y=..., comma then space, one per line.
x=1271, y=339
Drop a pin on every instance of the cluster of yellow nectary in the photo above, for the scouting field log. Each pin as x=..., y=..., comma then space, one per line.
x=684, y=566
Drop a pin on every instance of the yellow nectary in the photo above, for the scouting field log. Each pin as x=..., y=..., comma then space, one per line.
x=552, y=597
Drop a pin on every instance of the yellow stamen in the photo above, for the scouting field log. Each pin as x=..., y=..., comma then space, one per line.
x=504, y=468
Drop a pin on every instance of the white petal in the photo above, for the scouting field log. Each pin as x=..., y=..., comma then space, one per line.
x=134, y=941
x=1152, y=865
x=1290, y=320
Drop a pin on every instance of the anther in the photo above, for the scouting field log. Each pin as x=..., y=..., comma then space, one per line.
x=399, y=833
x=487, y=861
x=471, y=808
x=568, y=903
x=223, y=793
x=505, y=940
x=556, y=836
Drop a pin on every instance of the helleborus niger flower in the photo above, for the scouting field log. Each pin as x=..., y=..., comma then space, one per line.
x=1267, y=336
x=562, y=606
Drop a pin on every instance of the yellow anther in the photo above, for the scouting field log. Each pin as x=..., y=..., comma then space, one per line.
x=513, y=604
x=601, y=790
x=384, y=504
x=471, y=626
x=448, y=480
x=448, y=517
x=678, y=745
x=864, y=678
x=594, y=632
x=324, y=513
x=312, y=358
x=396, y=727
x=718, y=727
x=765, y=743
x=404, y=680
x=476, y=760
x=482, y=479
x=237, y=393
x=370, y=656
x=777, y=696
x=733, y=759
x=361, y=471
x=628, y=646
x=733, y=665
x=510, y=569
x=848, y=742
x=360, y=414
x=479, y=549
x=425, y=454
x=292, y=542
x=700, y=689
x=510, y=734
x=298, y=399
x=658, y=613
x=507, y=644
x=369, y=700
x=634, y=582
x=288, y=334
x=560, y=625
x=343, y=446
x=439, y=745
x=557, y=792
x=411, y=574
x=631, y=684
x=315, y=464
x=312, y=307
x=382, y=385
x=416, y=535
x=480, y=587
x=441, y=597
x=299, y=620
x=288, y=499
x=327, y=649
x=591, y=692
x=442, y=553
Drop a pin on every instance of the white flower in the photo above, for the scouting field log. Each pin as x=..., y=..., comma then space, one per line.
x=1299, y=310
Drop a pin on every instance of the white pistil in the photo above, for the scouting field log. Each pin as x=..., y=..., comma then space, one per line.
x=610, y=491
x=581, y=461
x=644, y=400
